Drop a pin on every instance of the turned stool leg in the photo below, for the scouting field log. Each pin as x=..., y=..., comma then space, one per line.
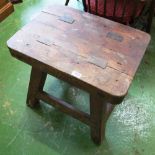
x=100, y=110
x=36, y=84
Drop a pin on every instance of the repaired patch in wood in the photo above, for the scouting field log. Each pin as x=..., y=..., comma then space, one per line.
x=100, y=62
x=115, y=36
x=67, y=19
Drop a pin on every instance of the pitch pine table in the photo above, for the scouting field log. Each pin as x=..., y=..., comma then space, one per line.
x=92, y=53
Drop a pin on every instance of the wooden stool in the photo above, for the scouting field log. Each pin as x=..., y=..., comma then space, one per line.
x=90, y=52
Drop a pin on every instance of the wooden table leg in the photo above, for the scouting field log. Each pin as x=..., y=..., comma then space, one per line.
x=36, y=84
x=83, y=2
x=100, y=110
x=84, y=5
x=67, y=1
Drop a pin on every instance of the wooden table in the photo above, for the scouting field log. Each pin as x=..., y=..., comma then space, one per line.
x=87, y=51
x=6, y=8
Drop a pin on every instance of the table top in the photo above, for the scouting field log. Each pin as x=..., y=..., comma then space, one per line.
x=94, y=50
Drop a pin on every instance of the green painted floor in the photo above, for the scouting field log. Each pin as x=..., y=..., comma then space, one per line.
x=23, y=131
